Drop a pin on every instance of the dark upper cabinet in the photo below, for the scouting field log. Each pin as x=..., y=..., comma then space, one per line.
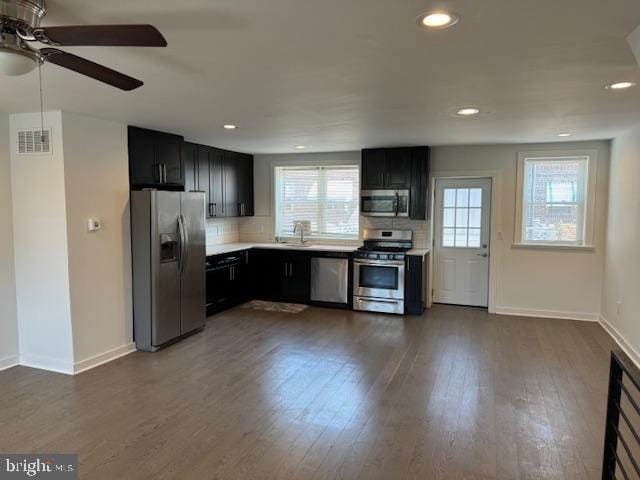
x=230, y=184
x=420, y=190
x=245, y=185
x=399, y=169
x=386, y=168
x=190, y=162
x=143, y=169
x=374, y=169
x=216, y=187
x=155, y=159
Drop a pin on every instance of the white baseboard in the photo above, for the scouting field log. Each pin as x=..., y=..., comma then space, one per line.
x=8, y=362
x=530, y=312
x=46, y=363
x=620, y=340
x=102, y=358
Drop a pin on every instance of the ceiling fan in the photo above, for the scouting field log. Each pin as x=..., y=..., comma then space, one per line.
x=20, y=25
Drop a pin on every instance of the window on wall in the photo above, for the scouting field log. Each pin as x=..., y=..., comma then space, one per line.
x=556, y=199
x=328, y=197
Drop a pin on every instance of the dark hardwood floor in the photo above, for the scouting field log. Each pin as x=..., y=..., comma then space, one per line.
x=455, y=394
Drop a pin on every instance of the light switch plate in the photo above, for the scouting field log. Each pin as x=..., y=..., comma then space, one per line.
x=94, y=224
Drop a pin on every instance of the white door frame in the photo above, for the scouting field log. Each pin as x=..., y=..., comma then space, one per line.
x=496, y=230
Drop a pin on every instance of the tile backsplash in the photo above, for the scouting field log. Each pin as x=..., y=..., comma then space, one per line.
x=260, y=229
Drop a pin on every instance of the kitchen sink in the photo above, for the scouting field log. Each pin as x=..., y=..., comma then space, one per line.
x=298, y=245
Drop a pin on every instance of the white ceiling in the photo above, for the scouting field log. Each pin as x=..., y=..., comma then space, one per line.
x=347, y=74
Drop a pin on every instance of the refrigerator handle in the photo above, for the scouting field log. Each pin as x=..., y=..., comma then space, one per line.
x=183, y=244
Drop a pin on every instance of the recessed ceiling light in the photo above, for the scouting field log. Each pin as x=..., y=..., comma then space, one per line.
x=230, y=127
x=564, y=134
x=438, y=19
x=620, y=85
x=468, y=111
x=300, y=147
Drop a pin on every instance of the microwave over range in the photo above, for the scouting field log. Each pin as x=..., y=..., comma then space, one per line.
x=384, y=203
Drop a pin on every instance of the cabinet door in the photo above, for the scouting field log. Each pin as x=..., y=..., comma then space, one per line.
x=296, y=286
x=216, y=189
x=190, y=161
x=230, y=184
x=268, y=271
x=218, y=288
x=413, y=285
x=204, y=178
x=399, y=172
x=143, y=169
x=420, y=192
x=167, y=150
x=374, y=169
x=245, y=184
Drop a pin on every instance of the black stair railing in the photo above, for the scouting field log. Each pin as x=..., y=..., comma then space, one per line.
x=621, y=440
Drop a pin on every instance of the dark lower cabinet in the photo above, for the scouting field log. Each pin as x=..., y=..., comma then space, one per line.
x=414, y=285
x=228, y=281
x=296, y=283
x=281, y=276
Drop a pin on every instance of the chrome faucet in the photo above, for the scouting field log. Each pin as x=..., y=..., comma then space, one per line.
x=295, y=227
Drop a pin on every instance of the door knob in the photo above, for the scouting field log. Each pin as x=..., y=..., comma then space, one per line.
x=483, y=255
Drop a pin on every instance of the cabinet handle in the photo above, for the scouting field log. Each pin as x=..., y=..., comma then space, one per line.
x=215, y=209
x=164, y=172
x=159, y=172
x=291, y=270
x=286, y=270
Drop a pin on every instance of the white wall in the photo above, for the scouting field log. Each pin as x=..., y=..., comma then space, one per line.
x=97, y=185
x=40, y=245
x=622, y=262
x=536, y=282
x=8, y=317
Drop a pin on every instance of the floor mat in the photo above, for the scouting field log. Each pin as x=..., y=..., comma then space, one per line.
x=275, y=306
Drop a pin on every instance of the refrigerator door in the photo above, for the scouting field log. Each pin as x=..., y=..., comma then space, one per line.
x=165, y=325
x=193, y=262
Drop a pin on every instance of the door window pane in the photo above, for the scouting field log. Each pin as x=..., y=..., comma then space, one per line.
x=474, y=238
x=462, y=217
x=448, y=237
x=462, y=197
x=475, y=197
x=449, y=217
x=450, y=197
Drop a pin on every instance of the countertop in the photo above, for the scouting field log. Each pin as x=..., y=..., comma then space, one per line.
x=237, y=247
x=419, y=252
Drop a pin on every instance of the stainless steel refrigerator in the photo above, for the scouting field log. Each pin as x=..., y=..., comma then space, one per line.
x=168, y=257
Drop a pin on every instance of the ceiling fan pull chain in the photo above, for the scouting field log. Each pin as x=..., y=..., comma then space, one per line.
x=42, y=135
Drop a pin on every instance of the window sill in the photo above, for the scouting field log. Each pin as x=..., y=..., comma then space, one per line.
x=552, y=246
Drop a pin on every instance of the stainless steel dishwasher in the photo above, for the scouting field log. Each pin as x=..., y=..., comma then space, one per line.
x=330, y=277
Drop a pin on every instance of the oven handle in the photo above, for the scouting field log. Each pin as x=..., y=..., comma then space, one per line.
x=384, y=263
x=377, y=300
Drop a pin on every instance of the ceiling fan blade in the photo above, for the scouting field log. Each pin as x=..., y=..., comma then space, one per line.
x=102, y=35
x=90, y=69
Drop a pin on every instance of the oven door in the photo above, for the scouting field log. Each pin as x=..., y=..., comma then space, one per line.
x=384, y=203
x=379, y=278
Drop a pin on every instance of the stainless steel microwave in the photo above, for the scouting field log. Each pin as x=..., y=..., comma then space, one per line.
x=384, y=203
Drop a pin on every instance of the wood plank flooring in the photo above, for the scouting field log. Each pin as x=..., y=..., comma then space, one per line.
x=326, y=394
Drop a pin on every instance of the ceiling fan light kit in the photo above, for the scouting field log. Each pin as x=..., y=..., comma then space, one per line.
x=20, y=24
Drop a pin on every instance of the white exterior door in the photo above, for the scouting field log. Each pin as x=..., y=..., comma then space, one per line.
x=461, y=241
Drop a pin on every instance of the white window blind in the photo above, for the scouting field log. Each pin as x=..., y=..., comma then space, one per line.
x=554, y=200
x=328, y=197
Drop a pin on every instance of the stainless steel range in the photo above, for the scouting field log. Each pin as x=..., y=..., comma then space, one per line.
x=379, y=268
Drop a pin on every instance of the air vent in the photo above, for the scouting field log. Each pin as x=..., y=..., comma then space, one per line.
x=32, y=142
